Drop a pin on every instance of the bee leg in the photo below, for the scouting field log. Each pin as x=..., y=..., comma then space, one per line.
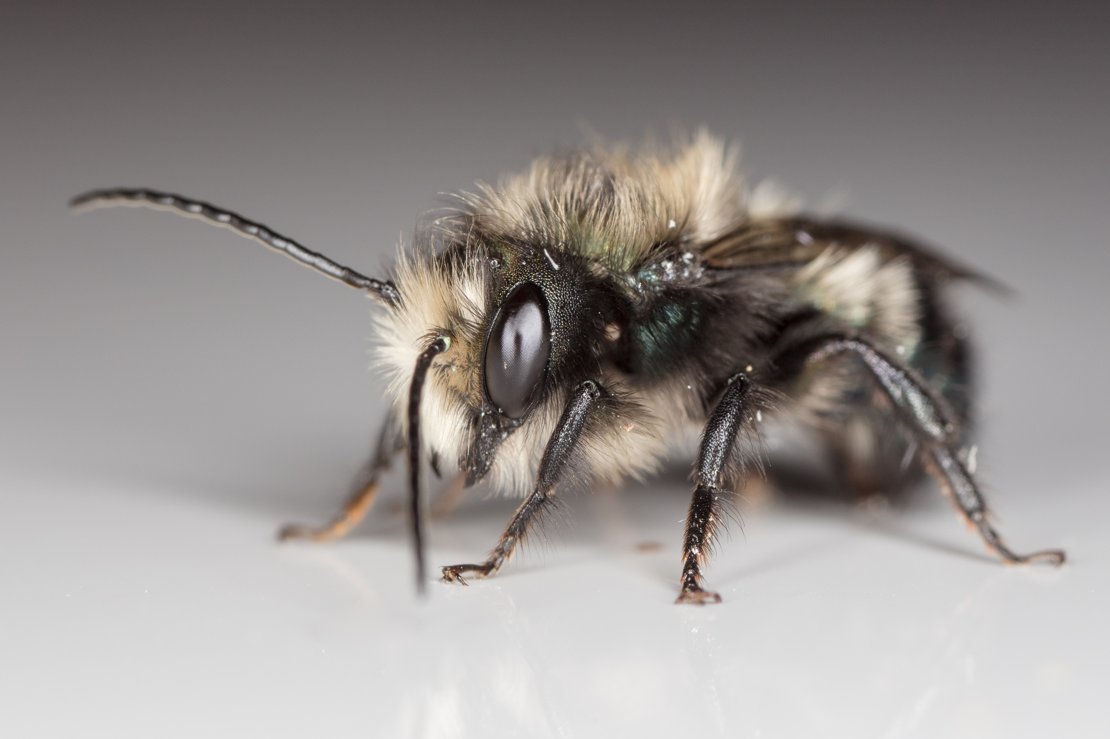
x=560, y=449
x=704, y=516
x=935, y=428
x=945, y=465
x=361, y=499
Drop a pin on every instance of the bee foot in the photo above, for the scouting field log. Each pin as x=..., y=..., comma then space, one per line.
x=454, y=573
x=300, y=531
x=1053, y=557
x=697, y=597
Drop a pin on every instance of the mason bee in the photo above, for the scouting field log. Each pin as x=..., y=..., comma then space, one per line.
x=569, y=324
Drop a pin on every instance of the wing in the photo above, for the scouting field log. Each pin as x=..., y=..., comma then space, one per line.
x=792, y=243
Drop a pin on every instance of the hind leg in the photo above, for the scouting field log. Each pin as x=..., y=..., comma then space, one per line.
x=929, y=422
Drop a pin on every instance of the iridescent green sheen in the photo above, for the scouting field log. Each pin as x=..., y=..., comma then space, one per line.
x=664, y=336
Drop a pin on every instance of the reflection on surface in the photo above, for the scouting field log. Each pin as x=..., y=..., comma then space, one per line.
x=829, y=628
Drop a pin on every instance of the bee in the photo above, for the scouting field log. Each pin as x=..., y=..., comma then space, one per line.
x=572, y=323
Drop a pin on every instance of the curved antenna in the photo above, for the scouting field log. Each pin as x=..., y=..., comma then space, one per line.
x=386, y=292
x=416, y=508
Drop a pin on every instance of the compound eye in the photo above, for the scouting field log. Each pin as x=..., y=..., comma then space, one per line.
x=517, y=350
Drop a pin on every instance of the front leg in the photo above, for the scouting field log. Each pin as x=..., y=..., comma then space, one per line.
x=555, y=459
x=705, y=509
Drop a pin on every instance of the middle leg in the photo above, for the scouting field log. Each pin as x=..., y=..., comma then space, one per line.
x=732, y=411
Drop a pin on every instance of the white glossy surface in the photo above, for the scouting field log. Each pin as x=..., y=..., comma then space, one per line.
x=143, y=611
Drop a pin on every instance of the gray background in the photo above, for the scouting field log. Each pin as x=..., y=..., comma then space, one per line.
x=171, y=394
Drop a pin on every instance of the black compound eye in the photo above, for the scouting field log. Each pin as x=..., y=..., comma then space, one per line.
x=517, y=349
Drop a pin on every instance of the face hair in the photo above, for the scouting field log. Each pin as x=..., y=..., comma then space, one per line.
x=386, y=292
x=416, y=508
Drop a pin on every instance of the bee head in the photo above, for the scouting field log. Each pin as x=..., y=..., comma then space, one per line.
x=523, y=324
x=524, y=280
